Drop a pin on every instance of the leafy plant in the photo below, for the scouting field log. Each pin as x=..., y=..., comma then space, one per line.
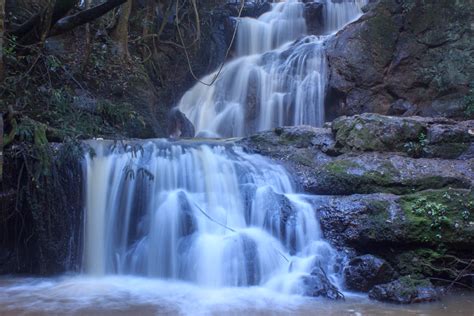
x=416, y=149
x=469, y=102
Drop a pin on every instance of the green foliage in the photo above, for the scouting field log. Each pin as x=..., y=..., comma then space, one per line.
x=435, y=211
x=417, y=149
x=119, y=115
x=10, y=48
x=433, y=214
x=469, y=103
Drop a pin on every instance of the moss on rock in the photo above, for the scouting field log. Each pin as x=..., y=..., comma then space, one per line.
x=439, y=216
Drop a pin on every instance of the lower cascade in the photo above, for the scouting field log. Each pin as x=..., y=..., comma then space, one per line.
x=210, y=214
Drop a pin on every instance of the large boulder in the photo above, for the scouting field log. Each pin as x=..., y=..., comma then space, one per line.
x=405, y=291
x=363, y=272
x=416, y=136
x=416, y=55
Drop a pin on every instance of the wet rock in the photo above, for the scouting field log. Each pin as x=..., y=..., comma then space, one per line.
x=317, y=284
x=388, y=173
x=402, y=107
x=252, y=263
x=280, y=217
x=378, y=222
x=281, y=142
x=179, y=126
x=187, y=220
x=417, y=136
x=405, y=291
x=363, y=272
x=313, y=13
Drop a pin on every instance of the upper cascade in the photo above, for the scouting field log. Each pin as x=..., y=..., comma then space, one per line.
x=209, y=214
x=279, y=77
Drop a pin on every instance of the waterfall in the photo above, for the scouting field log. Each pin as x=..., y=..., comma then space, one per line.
x=278, y=78
x=209, y=214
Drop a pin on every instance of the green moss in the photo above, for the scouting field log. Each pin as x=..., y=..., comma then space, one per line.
x=384, y=175
x=296, y=138
x=420, y=262
x=341, y=167
x=436, y=216
x=378, y=219
x=304, y=158
x=410, y=284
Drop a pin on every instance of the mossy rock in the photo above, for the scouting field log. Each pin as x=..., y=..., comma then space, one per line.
x=436, y=217
x=405, y=290
x=373, y=132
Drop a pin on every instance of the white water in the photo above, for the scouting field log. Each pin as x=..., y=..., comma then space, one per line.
x=130, y=296
x=279, y=77
x=207, y=214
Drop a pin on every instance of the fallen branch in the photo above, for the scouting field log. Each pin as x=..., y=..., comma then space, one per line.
x=72, y=21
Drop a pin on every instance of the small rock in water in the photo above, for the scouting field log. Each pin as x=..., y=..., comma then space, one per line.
x=318, y=285
x=405, y=291
x=363, y=272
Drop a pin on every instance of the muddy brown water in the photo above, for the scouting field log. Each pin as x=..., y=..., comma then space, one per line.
x=77, y=295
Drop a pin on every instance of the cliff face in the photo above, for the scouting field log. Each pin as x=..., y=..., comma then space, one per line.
x=404, y=57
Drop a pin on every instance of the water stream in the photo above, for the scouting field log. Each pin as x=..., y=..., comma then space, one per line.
x=209, y=214
x=279, y=77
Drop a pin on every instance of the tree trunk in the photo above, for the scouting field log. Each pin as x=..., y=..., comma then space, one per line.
x=149, y=15
x=27, y=32
x=47, y=20
x=88, y=44
x=120, y=34
x=2, y=31
x=1, y=144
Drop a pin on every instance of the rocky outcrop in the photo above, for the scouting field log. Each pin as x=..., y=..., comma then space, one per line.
x=404, y=58
x=373, y=154
x=405, y=291
x=416, y=136
x=374, y=195
x=424, y=219
x=364, y=272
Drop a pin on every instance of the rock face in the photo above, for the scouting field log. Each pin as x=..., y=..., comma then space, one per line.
x=381, y=189
x=364, y=272
x=405, y=291
x=417, y=136
x=403, y=57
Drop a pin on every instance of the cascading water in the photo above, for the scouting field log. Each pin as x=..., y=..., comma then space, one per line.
x=210, y=214
x=275, y=80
